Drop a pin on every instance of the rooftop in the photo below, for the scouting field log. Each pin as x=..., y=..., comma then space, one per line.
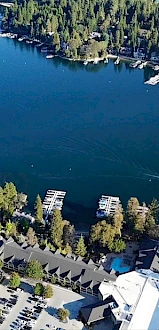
x=137, y=295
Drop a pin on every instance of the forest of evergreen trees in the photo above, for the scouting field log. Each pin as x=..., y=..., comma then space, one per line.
x=67, y=24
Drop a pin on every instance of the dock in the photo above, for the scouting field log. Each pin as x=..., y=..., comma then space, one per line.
x=53, y=200
x=107, y=206
x=153, y=80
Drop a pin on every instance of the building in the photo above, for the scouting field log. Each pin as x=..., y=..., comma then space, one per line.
x=107, y=206
x=136, y=296
x=68, y=269
x=148, y=257
x=53, y=200
x=96, y=312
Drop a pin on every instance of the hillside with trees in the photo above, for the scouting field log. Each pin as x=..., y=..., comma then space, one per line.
x=68, y=25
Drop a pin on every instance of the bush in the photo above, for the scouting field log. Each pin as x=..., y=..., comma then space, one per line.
x=48, y=291
x=53, y=279
x=63, y=313
x=1, y=264
x=39, y=289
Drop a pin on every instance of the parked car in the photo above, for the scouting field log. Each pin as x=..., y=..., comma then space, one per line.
x=7, y=308
x=19, y=290
x=14, y=296
x=3, y=301
x=43, y=305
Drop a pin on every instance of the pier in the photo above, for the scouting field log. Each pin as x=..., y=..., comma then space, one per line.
x=107, y=206
x=53, y=200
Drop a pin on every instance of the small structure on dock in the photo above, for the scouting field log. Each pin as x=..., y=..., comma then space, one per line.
x=107, y=206
x=53, y=200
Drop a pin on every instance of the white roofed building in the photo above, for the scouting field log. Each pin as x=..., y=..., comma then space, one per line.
x=137, y=300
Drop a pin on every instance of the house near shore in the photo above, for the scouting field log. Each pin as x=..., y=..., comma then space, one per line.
x=148, y=257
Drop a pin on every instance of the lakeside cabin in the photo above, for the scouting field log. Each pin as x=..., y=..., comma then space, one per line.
x=107, y=206
x=53, y=200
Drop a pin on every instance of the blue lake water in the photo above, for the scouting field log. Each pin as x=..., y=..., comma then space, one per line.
x=87, y=130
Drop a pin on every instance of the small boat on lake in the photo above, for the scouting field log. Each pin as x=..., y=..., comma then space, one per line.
x=95, y=61
x=85, y=62
x=48, y=57
x=29, y=41
x=44, y=50
x=106, y=61
x=135, y=65
x=117, y=61
x=141, y=66
x=156, y=68
x=39, y=45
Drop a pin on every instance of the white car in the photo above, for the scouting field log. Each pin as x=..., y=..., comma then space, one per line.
x=7, y=308
x=19, y=290
x=43, y=305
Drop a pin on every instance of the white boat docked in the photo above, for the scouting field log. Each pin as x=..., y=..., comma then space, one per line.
x=117, y=61
x=29, y=41
x=21, y=39
x=141, y=66
x=95, y=61
x=39, y=45
x=135, y=65
x=48, y=57
x=85, y=62
x=106, y=61
x=44, y=50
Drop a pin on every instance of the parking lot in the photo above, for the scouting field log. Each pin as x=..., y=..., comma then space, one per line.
x=24, y=313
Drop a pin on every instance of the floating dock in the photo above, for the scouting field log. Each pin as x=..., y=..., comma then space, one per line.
x=53, y=200
x=153, y=80
x=107, y=206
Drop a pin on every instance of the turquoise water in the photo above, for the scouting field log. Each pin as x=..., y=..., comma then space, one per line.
x=99, y=121
x=116, y=265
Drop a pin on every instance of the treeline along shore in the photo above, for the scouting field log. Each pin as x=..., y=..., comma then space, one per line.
x=89, y=29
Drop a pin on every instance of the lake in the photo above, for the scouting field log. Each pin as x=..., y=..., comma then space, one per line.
x=88, y=130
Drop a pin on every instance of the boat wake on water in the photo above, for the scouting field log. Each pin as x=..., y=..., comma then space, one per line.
x=96, y=150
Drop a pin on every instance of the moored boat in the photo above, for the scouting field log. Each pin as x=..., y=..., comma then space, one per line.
x=95, y=61
x=44, y=50
x=85, y=62
x=117, y=61
x=106, y=61
x=49, y=56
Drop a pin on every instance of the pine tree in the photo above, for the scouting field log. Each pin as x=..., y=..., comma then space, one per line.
x=81, y=248
x=32, y=239
x=57, y=228
x=38, y=209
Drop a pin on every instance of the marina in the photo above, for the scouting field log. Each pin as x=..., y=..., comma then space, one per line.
x=53, y=200
x=107, y=206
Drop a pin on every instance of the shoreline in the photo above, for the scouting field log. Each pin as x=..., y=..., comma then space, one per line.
x=90, y=60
